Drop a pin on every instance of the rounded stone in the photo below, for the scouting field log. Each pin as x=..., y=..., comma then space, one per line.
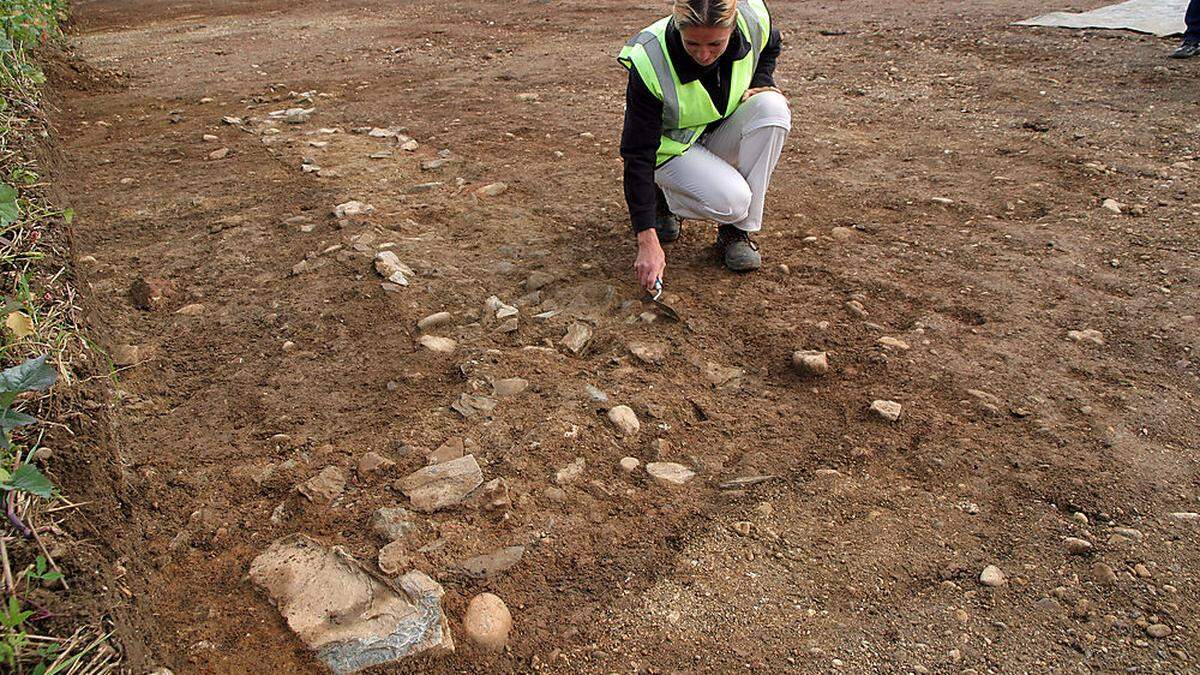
x=393, y=558
x=624, y=420
x=1158, y=630
x=1076, y=546
x=630, y=464
x=487, y=622
x=992, y=576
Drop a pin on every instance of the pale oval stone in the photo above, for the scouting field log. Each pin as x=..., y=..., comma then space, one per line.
x=992, y=576
x=670, y=473
x=1158, y=630
x=492, y=189
x=624, y=420
x=1076, y=546
x=435, y=320
x=434, y=343
x=630, y=464
x=487, y=622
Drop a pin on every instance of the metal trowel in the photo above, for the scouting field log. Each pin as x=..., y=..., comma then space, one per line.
x=655, y=299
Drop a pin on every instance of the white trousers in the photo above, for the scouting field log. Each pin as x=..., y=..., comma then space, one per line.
x=725, y=178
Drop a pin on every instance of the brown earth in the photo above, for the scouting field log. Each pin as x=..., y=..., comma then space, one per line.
x=967, y=159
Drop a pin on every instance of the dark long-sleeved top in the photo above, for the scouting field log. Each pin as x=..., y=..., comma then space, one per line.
x=643, y=112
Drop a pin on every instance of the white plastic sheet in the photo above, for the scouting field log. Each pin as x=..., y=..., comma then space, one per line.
x=1157, y=17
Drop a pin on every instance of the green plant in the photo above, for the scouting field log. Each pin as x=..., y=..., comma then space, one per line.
x=14, y=638
x=32, y=375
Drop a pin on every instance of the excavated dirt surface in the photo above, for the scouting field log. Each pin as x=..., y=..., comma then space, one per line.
x=963, y=163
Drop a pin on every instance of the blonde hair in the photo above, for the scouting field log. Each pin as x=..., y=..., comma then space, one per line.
x=709, y=13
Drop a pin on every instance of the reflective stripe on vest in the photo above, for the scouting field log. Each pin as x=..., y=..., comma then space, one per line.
x=654, y=68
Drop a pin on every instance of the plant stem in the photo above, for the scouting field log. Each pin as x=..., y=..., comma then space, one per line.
x=10, y=587
x=14, y=518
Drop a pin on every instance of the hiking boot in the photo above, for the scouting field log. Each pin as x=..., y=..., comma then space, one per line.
x=740, y=252
x=1187, y=50
x=668, y=224
x=669, y=227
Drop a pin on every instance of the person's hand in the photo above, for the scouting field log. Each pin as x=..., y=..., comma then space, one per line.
x=650, y=260
x=758, y=90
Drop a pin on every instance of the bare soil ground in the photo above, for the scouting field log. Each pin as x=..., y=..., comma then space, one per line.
x=965, y=161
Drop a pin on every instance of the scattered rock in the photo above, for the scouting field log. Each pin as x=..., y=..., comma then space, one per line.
x=388, y=265
x=1158, y=630
x=219, y=154
x=495, y=495
x=492, y=189
x=434, y=343
x=349, y=617
x=470, y=405
x=1104, y=574
x=595, y=394
x=538, y=280
x=194, y=309
x=624, y=420
x=669, y=473
x=1127, y=533
x=1142, y=571
x=435, y=320
x=629, y=464
x=493, y=564
x=442, y=485
x=324, y=487
x=743, y=527
x=856, y=308
x=487, y=622
x=577, y=337
x=373, y=462
x=888, y=410
x=509, y=386
x=570, y=473
x=352, y=209
x=893, y=343
x=1185, y=517
x=453, y=448
x=1113, y=205
x=392, y=523
x=529, y=96
x=501, y=310
x=649, y=352
x=556, y=495
x=393, y=558
x=810, y=362
x=425, y=187
x=1076, y=546
x=1086, y=335
x=992, y=576
x=719, y=376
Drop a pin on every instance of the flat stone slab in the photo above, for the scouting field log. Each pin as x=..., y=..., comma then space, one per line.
x=352, y=618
